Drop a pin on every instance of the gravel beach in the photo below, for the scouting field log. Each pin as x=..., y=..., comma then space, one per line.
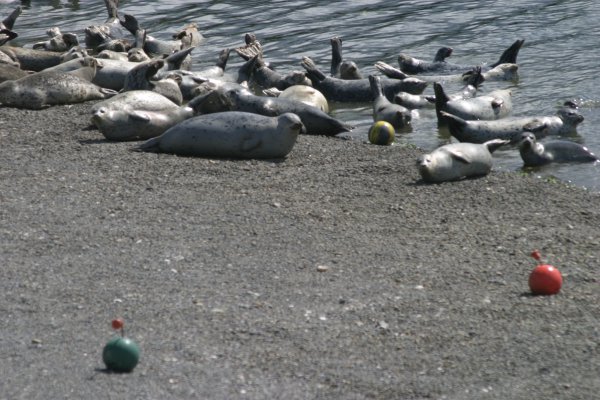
x=332, y=274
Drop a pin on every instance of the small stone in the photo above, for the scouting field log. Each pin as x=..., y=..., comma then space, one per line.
x=322, y=268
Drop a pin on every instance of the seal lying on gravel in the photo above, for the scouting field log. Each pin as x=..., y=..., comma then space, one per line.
x=229, y=134
x=48, y=88
x=136, y=100
x=494, y=105
x=560, y=151
x=510, y=128
x=358, y=90
x=458, y=160
x=414, y=65
x=38, y=60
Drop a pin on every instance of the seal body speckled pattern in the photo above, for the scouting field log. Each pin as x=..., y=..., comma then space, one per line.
x=136, y=100
x=43, y=89
x=495, y=105
x=458, y=160
x=536, y=154
x=307, y=95
x=230, y=134
x=510, y=128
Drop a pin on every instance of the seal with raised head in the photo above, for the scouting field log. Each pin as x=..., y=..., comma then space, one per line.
x=502, y=72
x=494, y=105
x=414, y=65
x=457, y=161
x=58, y=41
x=357, y=90
x=229, y=134
x=316, y=122
x=535, y=154
x=341, y=68
x=306, y=94
x=97, y=35
x=510, y=128
x=266, y=78
x=385, y=110
x=48, y=88
x=140, y=78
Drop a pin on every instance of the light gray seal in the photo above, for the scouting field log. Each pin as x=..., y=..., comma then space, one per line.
x=385, y=110
x=229, y=134
x=535, y=154
x=341, y=68
x=316, y=122
x=494, y=105
x=457, y=161
x=38, y=60
x=48, y=88
x=9, y=72
x=502, y=72
x=306, y=94
x=358, y=90
x=58, y=41
x=564, y=123
x=412, y=65
x=144, y=100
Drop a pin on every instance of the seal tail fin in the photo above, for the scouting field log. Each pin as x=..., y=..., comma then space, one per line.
x=10, y=35
x=376, y=88
x=455, y=125
x=151, y=146
x=176, y=59
x=475, y=77
x=440, y=99
x=390, y=71
x=510, y=55
x=9, y=21
x=131, y=24
x=223, y=58
x=112, y=6
x=336, y=55
x=311, y=69
x=495, y=144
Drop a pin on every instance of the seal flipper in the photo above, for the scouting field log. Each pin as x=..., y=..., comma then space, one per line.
x=440, y=99
x=250, y=142
x=389, y=71
x=474, y=77
x=175, y=60
x=311, y=69
x=495, y=144
x=9, y=35
x=131, y=24
x=336, y=55
x=442, y=54
x=455, y=125
x=509, y=56
x=138, y=115
x=112, y=6
x=9, y=21
x=151, y=145
x=459, y=156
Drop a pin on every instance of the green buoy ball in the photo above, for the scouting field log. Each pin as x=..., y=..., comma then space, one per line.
x=382, y=133
x=121, y=354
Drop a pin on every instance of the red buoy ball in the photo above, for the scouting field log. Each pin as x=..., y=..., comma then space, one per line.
x=382, y=133
x=545, y=280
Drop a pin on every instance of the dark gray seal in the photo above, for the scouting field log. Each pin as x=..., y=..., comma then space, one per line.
x=229, y=134
x=457, y=161
x=358, y=90
x=510, y=128
x=412, y=65
x=316, y=122
x=265, y=77
x=8, y=23
x=341, y=68
x=140, y=78
x=494, y=105
x=502, y=72
x=38, y=60
x=385, y=110
x=102, y=35
x=535, y=154
x=47, y=88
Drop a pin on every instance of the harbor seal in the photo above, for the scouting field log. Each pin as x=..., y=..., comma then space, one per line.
x=494, y=105
x=306, y=94
x=97, y=35
x=341, y=68
x=265, y=77
x=502, y=72
x=535, y=154
x=145, y=100
x=384, y=110
x=140, y=78
x=412, y=65
x=38, y=60
x=6, y=35
x=510, y=128
x=457, y=161
x=358, y=90
x=58, y=41
x=315, y=121
x=48, y=88
x=229, y=134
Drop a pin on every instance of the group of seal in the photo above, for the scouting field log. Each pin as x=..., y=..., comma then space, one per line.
x=257, y=111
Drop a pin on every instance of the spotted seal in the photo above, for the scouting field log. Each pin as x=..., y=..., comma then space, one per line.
x=510, y=128
x=38, y=60
x=412, y=65
x=457, y=161
x=315, y=121
x=58, y=41
x=385, y=110
x=502, y=72
x=341, y=68
x=358, y=90
x=535, y=154
x=229, y=134
x=48, y=88
x=145, y=100
x=494, y=105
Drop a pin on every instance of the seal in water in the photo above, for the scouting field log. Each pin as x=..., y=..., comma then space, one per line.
x=358, y=90
x=385, y=110
x=48, y=88
x=306, y=94
x=510, y=128
x=495, y=105
x=535, y=154
x=229, y=134
x=97, y=35
x=139, y=78
x=266, y=78
x=340, y=68
x=412, y=65
x=457, y=161
x=316, y=122
x=58, y=41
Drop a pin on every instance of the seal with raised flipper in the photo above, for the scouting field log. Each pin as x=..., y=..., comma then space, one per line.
x=58, y=41
x=494, y=105
x=385, y=110
x=535, y=154
x=502, y=72
x=229, y=134
x=47, y=88
x=455, y=161
x=412, y=65
x=306, y=94
x=357, y=90
x=315, y=121
x=341, y=68
x=140, y=78
x=97, y=35
x=510, y=128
